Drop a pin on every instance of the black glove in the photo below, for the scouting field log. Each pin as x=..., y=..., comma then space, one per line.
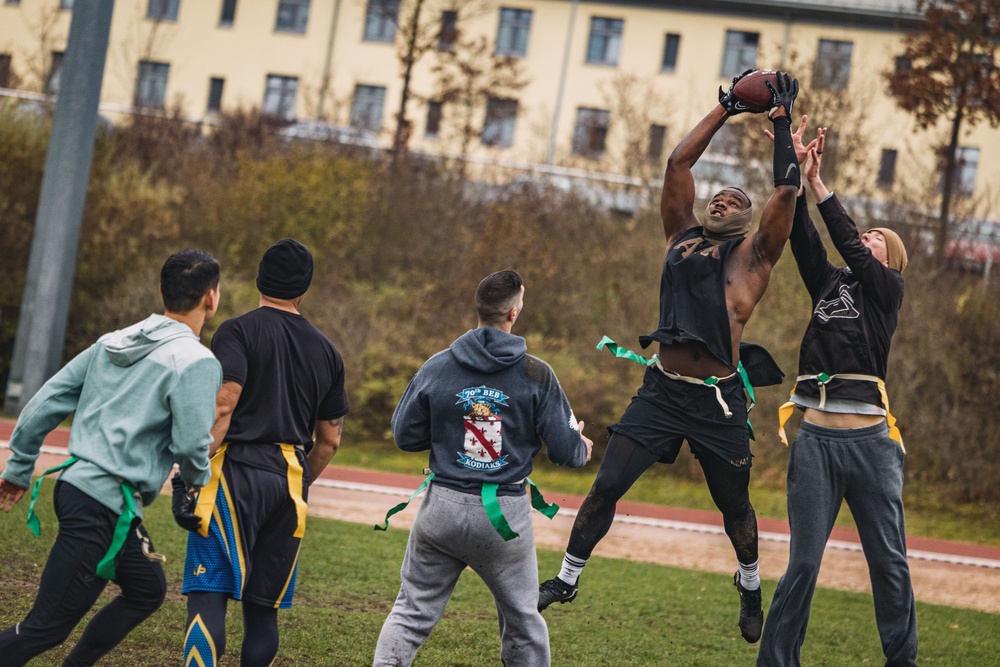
x=730, y=102
x=784, y=95
x=183, y=505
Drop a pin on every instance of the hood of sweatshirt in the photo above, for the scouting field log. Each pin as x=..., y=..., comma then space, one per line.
x=488, y=349
x=127, y=346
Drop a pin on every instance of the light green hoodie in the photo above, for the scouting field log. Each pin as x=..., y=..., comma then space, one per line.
x=144, y=398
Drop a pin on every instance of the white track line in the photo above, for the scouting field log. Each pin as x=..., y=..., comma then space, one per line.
x=842, y=545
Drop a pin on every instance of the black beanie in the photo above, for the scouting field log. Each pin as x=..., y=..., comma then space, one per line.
x=285, y=270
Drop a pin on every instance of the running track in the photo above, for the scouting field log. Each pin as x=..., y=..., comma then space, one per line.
x=643, y=514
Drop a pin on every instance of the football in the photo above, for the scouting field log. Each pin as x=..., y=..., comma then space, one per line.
x=752, y=91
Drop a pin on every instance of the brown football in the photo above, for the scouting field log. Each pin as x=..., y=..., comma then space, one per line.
x=752, y=91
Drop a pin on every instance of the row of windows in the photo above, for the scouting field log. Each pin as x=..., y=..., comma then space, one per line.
x=832, y=64
x=293, y=15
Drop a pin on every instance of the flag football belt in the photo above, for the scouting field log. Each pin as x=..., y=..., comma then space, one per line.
x=711, y=381
x=822, y=379
x=210, y=492
x=488, y=494
x=106, y=567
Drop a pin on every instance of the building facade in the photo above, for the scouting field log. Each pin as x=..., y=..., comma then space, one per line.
x=603, y=85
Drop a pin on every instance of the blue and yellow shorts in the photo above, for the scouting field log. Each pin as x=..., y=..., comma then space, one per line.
x=256, y=506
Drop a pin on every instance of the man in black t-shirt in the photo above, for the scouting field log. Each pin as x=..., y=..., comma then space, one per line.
x=283, y=380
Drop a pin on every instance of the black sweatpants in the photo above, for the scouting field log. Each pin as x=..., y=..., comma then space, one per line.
x=70, y=586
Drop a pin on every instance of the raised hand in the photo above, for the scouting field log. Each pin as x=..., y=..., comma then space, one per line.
x=800, y=148
x=730, y=103
x=814, y=160
x=783, y=96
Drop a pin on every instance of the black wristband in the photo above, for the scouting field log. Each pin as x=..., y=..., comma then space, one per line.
x=786, y=166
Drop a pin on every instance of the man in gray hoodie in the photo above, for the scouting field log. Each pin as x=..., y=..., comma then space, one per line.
x=482, y=407
x=143, y=398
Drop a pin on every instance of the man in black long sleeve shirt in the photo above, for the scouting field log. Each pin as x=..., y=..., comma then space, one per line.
x=848, y=447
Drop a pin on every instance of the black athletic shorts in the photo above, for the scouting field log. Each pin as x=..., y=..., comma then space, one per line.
x=665, y=412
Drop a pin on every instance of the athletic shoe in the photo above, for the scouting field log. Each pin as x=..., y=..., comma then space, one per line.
x=751, y=613
x=556, y=590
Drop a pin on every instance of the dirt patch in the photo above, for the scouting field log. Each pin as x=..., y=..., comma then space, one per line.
x=937, y=583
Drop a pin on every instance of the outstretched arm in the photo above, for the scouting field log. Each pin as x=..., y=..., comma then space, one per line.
x=881, y=284
x=776, y=220
x=677, y=200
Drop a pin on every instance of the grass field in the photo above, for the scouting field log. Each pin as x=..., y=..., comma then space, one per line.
x=627, y=614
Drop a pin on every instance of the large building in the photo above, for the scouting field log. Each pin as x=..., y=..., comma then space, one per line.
x=602, y=85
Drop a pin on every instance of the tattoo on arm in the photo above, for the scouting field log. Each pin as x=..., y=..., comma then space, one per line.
x=337, y=424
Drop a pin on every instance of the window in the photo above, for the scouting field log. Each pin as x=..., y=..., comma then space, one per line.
x=833, y=64
x=367, y=107
x=512, y=36
x=12, y=2
x=740, y=53
x=902, y=64
x=887, y=168
x=151, y=84
x=671, y=44
x=657, y=137
x=605, y=41
x=215, y=85
x=163, y=10
x=964, y=177
x=293, y=15
x=448, y=34
x=380, y=20
x=5, y=70
x=55, y=68
x=228, y=13
x=501, y=116
x=279, y=96
x=65, y=4
x=435, y=110
x=591, y=132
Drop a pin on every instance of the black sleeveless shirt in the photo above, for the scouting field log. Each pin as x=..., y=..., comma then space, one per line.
x=693, y=295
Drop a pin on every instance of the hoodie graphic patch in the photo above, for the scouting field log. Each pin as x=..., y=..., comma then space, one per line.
x=483, y=447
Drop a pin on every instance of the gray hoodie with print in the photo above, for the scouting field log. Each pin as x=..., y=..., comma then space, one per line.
x=483, y=408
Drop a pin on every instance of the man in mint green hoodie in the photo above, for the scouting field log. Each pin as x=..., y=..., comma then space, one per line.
x=144, y=399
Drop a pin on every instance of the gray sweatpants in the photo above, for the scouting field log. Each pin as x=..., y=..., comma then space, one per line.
x=451, y=531
x=865, y=468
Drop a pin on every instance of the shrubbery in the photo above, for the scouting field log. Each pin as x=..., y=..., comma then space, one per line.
x=399, y=252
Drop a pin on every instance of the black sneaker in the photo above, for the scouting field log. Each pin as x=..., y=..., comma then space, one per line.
x=751, y=613
x=556, y=590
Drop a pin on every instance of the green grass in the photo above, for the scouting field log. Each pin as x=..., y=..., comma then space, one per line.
x=627, y=613
x=927, y=515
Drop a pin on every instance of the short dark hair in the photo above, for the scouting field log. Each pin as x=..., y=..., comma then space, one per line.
x=497, y=294
x=185, y=277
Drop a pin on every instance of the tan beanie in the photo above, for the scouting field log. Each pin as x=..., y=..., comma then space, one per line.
x=894, y=248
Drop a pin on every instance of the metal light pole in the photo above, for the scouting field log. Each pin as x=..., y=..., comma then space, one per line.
x=41, y=327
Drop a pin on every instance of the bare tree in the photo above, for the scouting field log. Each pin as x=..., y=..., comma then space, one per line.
x=47, y=36
x=639, y=111
x=949, y=70
x=469, y=77
x=421, y=31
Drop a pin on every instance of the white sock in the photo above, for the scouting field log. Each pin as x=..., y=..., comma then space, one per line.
x=571, y=568
x=750, y=576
